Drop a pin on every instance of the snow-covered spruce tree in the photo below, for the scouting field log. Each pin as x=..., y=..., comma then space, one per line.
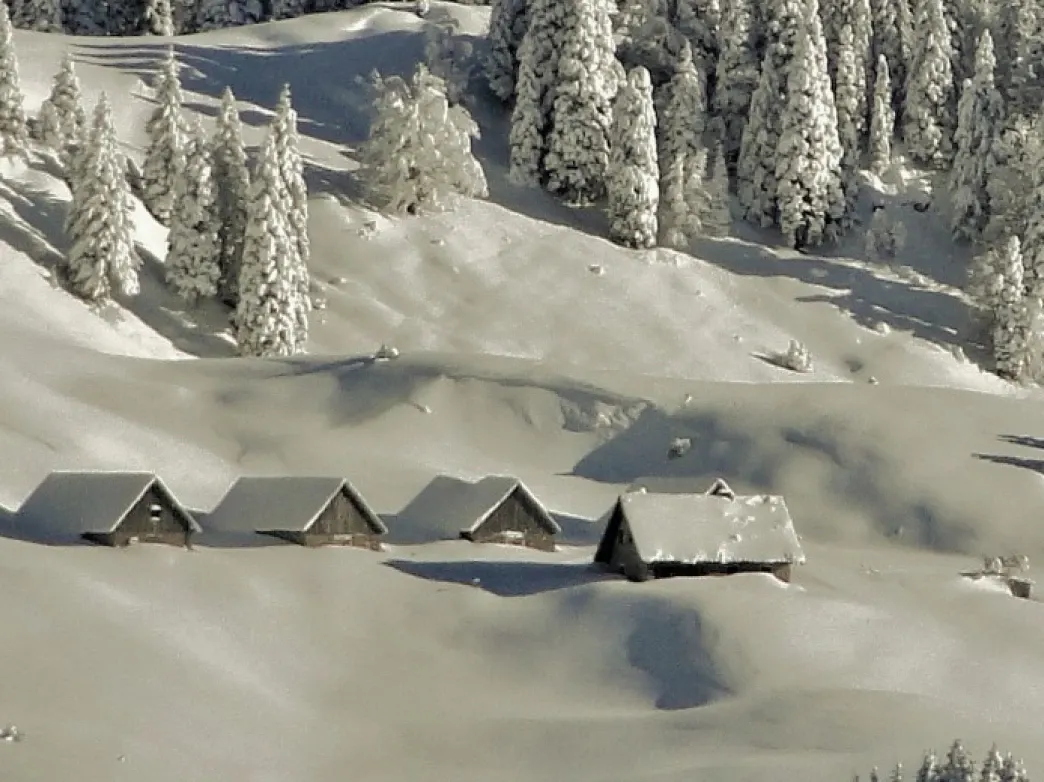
x=1013, y=770
x=929, y=768
x=166, y=131
x=897, y=773
x=756, y=168
x=928, y=112
x=295, y=191
x=808, y=166
x=882, y=120
x=193, y=269
x=507, y=26
x=682, y=122
x=850, y=102
x=1018, y=152
x=678, y=221
x=14, y=132
x=633, y=175
x=980, y=119
x=62, y=119
x=231, y=191
x=1011, y=345
x=737, y=74
x=581, y=112
x=1033, y=241
x=717, y=214
x=44, y=16
x=699, y=21
x=537, y=75
x=418, y=154
x=219, y=14
x=270, y=310
x=1020, y=55
x=887, y=42
x=846, y=29
x=449, y=56
x=991, y=766
x=287, y=9
x=158, y=18
x=101, y=255
x=885, y=237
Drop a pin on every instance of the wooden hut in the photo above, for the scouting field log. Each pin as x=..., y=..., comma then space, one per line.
x=495, y=509
x=108, y=508
x=655, y=535
x=307, y=510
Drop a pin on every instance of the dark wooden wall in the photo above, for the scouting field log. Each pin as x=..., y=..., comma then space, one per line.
x=517, y=513
x=168, y=527
x=342, y=522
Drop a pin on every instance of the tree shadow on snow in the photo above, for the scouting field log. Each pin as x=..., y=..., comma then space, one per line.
x=1026, y=463
x=772, y=459
x=193, y=330
x=936, y=316
x=505, y=579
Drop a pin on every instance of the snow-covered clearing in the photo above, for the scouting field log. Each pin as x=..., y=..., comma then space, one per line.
x=530, y=345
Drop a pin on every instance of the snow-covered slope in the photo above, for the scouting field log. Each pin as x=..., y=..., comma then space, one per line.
x=533, y=346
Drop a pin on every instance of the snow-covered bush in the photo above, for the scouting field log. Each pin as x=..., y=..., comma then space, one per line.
x=796, y=357
x=885, y=236
x=418, y=154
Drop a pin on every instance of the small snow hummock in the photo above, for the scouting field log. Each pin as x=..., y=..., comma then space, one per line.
x=796, y=358
x=386, y=353
x=11, y=733
x=679, y=447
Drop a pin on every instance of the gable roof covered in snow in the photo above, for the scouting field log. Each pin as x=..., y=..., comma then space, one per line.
x=71, y=504
x=284, y=503
x=453, y=506
x=698, y=528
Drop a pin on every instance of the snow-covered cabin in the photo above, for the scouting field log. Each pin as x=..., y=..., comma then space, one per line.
x=108, y=508
x=307, y=510
x=656, y=535
x=495, y=509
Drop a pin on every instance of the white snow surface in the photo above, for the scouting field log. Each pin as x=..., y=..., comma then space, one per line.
x=452, y=661
x=689, y=528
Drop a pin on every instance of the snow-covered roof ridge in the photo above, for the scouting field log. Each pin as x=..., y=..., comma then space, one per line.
x=689, y=528
x=267, y=503
x=72, y=502
x=453, y=504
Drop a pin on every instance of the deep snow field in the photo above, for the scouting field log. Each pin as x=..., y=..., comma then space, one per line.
x=450, y=661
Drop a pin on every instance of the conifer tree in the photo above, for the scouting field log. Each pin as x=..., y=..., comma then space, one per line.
x=166, y=131
x=737, y=73
x=193, y=253
x=959, y=767
x=756, y=168
x=14, y=132
x=980, y=120
x=928, y=115
x=929, y=768
x=62, y=119
x=507, y=26
x=44, y=16
x=991, y=767
x=231, y=192
x=633, y=175
x=717, y=217
x=581, y=112
x=537, y=74
x=808, y=169
x=295, y=191
x=101, y=255
x=287, y=9
x=887, y=43
x=158, y=18
x=1020, y=44
x=850, y=103
x=846, y=29
x=679, y=222
x=1033, y=243
x=699, y=22
x=882, y=120
x=1011, y=352
x=897, y=773
x=270, y=312
x=683, y=118
x=219, y=14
